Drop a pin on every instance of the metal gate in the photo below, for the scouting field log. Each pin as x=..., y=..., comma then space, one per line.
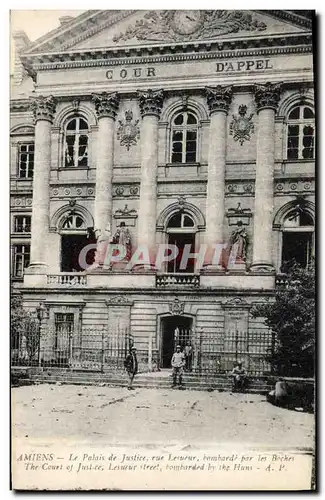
x=219, y=353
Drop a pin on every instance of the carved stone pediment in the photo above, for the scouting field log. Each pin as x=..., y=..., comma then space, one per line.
x=188, y=25
x=116, y=28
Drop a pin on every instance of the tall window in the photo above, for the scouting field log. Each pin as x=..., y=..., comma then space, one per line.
x=21, y=259
x=22, y=223
x=301, y=133
x=184, y=138
x=181, y=232
x=297, y=238
x=76, y=143
x=25, y=161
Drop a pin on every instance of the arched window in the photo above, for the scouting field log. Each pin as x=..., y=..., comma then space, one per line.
x=181, y=232
x=74, y=222
x=74, y=238
x=297, y=237
x=301, y=133
x=184, y=134
x=76, y=143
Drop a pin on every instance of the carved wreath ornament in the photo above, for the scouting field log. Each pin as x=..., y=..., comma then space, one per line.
x=187, y=25
x=128, y=132
x=242, y=126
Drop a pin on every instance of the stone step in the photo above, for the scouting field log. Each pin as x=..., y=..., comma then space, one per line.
x=144, y=381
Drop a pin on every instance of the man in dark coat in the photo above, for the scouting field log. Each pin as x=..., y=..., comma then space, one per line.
x=131, y=366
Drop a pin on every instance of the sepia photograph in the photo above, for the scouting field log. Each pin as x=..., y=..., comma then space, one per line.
x=162, y=250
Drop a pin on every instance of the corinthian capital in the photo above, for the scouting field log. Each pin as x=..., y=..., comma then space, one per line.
x=219, y=98
x=43, y=108
x=106, y=104
x=267, y=95
x=151, y=102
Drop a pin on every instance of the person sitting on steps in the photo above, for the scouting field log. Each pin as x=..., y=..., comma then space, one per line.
x=239, y=377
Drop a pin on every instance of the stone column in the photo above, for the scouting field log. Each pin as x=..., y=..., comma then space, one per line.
x=218, y=100
x=150, y=103
x=43, y=109
x=267, y=98
x=106, y=105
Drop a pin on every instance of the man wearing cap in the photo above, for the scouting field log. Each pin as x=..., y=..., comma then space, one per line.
x=178, y=362
x=239, y=376
x=131, y=366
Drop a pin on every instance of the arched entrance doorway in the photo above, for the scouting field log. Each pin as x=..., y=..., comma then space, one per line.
x=176, y=330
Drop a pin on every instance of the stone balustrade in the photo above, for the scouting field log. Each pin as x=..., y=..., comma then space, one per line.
x=182, y=279
x=67, y=279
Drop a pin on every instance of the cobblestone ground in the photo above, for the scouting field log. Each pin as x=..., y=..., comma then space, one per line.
x=115, y=416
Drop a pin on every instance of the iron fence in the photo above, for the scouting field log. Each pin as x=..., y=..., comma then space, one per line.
x=87, y=350
x=219, y=354
x=104, y=350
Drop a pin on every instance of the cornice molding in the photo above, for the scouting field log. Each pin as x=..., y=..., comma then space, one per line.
x=287, y=15
x=263, y=46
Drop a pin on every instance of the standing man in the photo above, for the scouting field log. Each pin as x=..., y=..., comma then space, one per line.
x=178, y=362
x=188, y=351
x=131, y=366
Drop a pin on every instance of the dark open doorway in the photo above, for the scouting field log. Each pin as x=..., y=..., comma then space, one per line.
x=296, y=247
x=180, y=240
x=71, y=246
x=170, y=340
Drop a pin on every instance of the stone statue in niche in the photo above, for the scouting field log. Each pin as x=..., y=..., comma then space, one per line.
x=123, y=237
x=242, y=126
x=128, y=132
x=239, y=237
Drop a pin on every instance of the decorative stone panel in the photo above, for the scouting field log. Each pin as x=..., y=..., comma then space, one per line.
x=126, y=191
x=77, y=190
x=240, y=188
x=283, y=187
x=20, y=202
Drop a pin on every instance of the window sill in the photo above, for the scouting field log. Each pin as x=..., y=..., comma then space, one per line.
x=62, y=169
x=300, y=160
x=196, y=164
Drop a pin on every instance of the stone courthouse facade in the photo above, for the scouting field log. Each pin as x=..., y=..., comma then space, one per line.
x=161, y=127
